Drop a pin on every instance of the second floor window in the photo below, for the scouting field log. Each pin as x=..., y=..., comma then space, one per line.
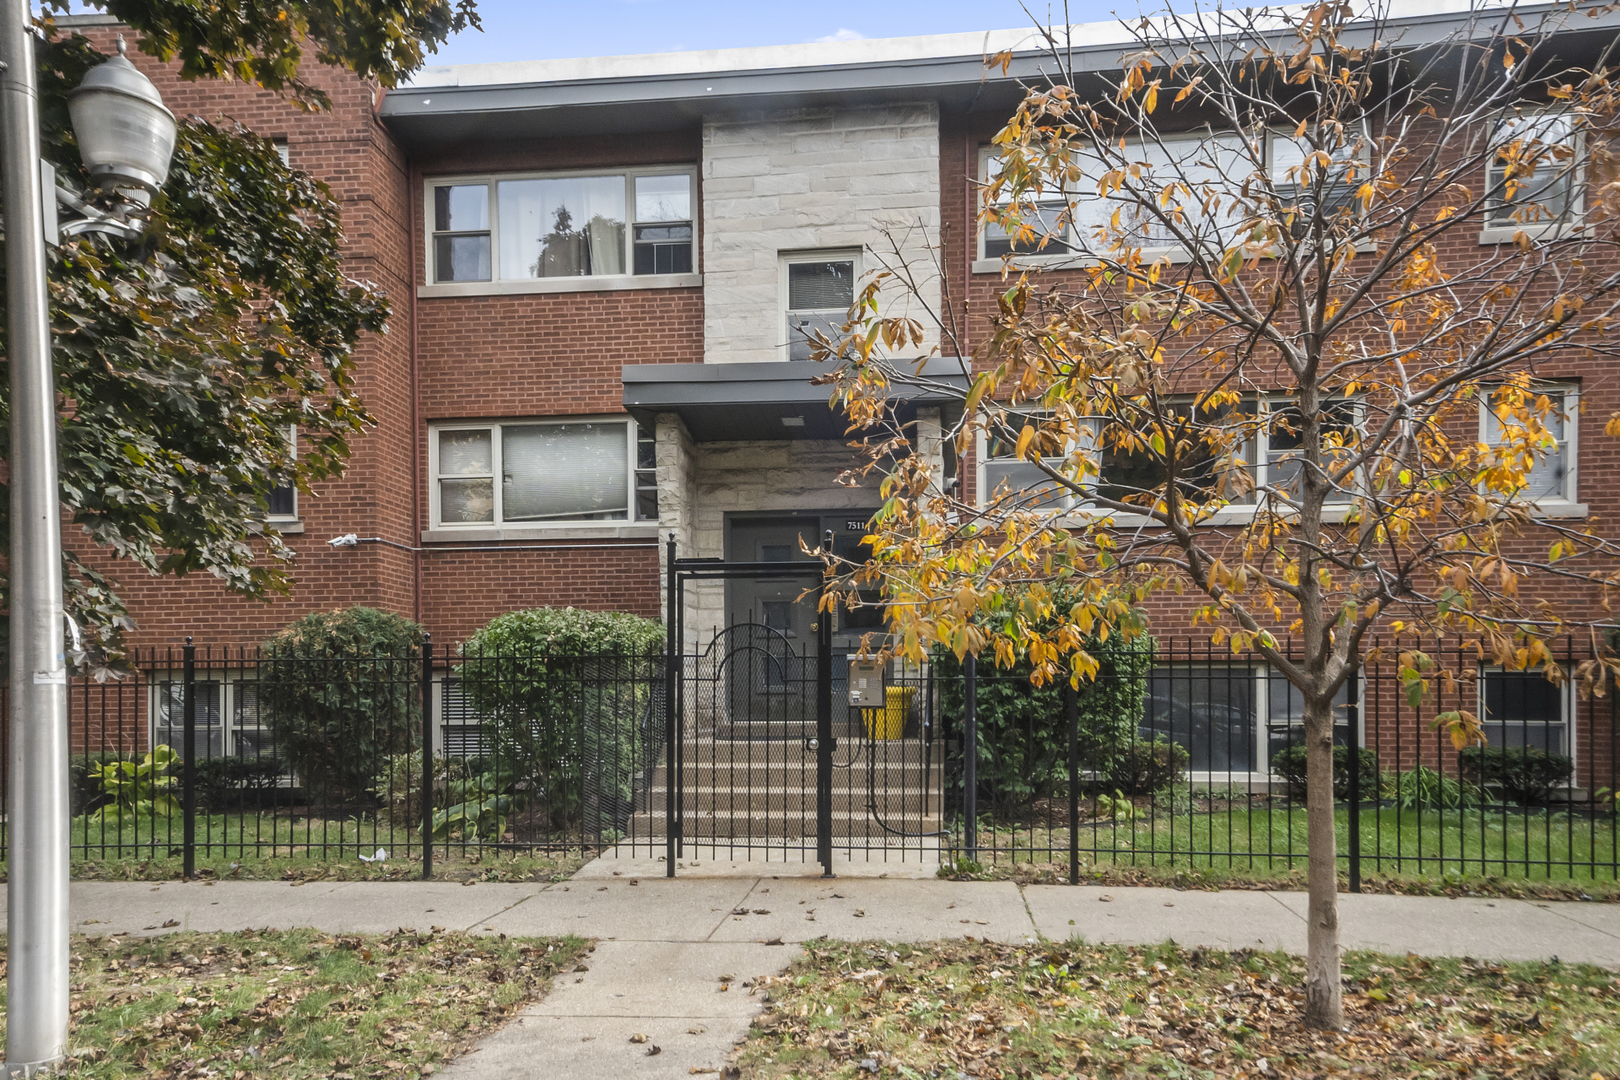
x=523, y=228
x=284, y=497
x=820, y=288
x=1530, y=179
x=541, y=472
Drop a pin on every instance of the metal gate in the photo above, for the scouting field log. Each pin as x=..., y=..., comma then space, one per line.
x=766, y=755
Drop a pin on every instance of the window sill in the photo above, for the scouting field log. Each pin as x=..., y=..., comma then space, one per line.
x=1504, y=234
x=619, y=283
x=1231, y=515
x=607, y=530
x=1069, y=262
x=286, y=526
x=1558, y=510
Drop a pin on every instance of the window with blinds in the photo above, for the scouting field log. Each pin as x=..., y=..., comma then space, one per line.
x=819, y=288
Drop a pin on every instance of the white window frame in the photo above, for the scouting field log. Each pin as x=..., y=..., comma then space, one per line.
x=1262, y=676
x=1566, y=709
x=785, y=259
x=1492, y=232
x=593, y=283
x=498, y=525
x=1234, y=513
x=282, y=519
x=230, y=683
x=987, y=264
x=1567, y=504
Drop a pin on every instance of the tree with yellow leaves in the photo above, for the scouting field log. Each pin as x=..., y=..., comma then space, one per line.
x=1283, y=301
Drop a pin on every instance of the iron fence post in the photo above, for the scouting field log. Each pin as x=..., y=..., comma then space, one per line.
x=427, y=756
x=188, y=767
x=1353, y=699
x=1071, y=710
x=970, y=757
x=824, y=736
x=671, y=652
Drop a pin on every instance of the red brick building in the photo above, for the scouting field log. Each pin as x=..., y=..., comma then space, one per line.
x=602, y=271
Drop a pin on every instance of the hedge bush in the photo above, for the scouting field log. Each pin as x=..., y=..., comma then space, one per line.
x=562, y=693
x=1526, y=775
x=341, y=690
x=1023, y=738
x=1144, y=766
x=1289, y=764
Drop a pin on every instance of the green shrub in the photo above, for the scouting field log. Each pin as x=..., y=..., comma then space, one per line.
x=562, y=693
x=1289, y=764
x=1526, y=775
x=341, y=690
x=222, y=782
x=147, y=788
x=1144, y=766
x=398, y=784
x=85, y=791
x=1422, y=788
x=1023, y=737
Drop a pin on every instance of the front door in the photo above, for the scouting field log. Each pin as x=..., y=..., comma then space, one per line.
x=771, y=651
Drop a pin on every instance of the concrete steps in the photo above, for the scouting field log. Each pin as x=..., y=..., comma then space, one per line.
x=760, y=789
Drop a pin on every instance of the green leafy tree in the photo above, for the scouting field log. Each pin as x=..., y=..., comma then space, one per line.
x=183, y=358
x=262, y=43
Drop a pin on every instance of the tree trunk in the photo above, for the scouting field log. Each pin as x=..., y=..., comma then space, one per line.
x=1324, y=999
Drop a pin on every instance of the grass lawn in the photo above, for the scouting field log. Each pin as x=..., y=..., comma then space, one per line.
x=1266, y=844
x=975, y=1009
x=296, y=1003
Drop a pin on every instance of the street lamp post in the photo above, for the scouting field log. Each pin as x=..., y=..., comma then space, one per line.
x=109, y=110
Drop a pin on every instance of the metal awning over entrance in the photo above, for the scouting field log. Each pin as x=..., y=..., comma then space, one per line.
x=772, y=400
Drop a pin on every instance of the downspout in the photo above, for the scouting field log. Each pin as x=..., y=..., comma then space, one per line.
x=416, y=403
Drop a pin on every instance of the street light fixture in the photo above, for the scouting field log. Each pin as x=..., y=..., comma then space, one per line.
x=126, y=137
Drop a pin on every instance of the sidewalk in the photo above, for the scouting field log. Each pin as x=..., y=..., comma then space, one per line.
x=665, y=943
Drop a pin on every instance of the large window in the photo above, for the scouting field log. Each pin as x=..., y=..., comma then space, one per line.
x=1232, y=718
x=542, y=472
x=1193, y=159
x=1532, y=178
x=1264, y=455
x=1523, y=709
x=1551, y=478
x=818, y=288
x=1209, y=710
x=597, y=225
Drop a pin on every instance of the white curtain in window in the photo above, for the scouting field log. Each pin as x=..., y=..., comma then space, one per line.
x=568, y=227
x=560, y=471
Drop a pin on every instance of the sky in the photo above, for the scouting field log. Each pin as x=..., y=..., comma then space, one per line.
x=548, y=29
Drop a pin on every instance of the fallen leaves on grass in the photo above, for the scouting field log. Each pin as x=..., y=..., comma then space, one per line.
x=953, y=1009
x=295, y=1004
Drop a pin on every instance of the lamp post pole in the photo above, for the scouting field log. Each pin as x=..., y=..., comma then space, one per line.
x=37, y=821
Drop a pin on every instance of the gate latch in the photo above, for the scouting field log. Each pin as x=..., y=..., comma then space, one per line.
x=815, y=744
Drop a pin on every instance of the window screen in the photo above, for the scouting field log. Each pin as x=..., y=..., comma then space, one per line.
x=1549, y=475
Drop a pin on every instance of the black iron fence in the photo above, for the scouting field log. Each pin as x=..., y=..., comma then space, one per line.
x=1183, y=755
x=223, y=754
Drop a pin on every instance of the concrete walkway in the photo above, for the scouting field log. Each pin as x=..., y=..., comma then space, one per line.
x=668, y=947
